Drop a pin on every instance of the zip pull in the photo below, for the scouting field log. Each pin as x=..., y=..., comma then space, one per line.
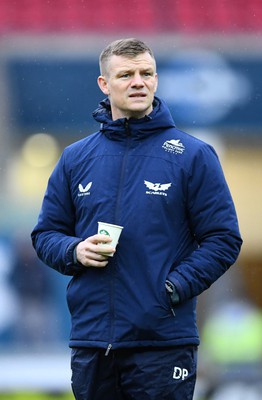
x=127, y=127
x=109, y=347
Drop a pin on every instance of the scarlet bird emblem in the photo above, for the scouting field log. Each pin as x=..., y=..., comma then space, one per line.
x=157, y=186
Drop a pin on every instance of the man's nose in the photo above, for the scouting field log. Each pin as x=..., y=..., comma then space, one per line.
x=137, y=80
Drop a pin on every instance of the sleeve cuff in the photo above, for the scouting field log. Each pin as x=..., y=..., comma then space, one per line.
x=72, y=265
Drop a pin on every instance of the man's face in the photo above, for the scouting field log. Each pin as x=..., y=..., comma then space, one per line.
x=130, y=84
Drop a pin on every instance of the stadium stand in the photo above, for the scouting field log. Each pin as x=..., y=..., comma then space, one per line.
x=187, y=16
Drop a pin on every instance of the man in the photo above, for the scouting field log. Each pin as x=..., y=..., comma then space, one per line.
x=134, y=333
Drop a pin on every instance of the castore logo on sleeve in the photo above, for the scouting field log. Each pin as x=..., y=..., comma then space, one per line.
x=84, y=191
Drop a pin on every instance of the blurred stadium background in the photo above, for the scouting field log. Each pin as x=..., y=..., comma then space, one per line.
x=209, y=62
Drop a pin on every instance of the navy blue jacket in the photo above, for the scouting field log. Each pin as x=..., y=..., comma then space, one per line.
x=168, y=191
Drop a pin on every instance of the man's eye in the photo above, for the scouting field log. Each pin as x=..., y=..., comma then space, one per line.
x=124, y=75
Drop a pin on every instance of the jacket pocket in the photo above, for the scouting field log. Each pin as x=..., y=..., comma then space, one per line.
x=166, y=302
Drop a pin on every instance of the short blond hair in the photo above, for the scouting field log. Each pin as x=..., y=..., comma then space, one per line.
x=123, y=47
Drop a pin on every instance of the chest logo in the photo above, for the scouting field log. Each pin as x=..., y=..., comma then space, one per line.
x=174, y=146
x=157, y=188
x=84, y=191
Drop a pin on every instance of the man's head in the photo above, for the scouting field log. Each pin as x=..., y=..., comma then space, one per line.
x=128, y=77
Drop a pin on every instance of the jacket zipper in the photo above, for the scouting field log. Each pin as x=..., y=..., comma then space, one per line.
x=121, y=180
x=122, y=174
x=109, y=347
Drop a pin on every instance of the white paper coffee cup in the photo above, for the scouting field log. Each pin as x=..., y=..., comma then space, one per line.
x=114, y=231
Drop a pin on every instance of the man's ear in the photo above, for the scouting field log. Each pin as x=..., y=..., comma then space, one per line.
x=156, y=84
x=102, y=83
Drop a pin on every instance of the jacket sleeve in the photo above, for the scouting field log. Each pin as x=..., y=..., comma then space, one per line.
x=214, y=224
x=54, y=235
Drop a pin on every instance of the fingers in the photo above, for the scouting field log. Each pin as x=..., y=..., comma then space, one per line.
x=91, y=259
x=93, y=252
x=99, y=238
x=100, y=244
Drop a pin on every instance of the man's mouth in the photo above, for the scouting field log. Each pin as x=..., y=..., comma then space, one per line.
x=138, y=94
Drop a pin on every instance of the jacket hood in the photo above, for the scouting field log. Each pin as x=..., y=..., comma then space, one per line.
x=158, y=120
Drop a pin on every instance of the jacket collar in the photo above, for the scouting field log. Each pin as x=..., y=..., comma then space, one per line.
x=159, y=119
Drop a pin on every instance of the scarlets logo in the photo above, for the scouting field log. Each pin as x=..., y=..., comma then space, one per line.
x=157, y=188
